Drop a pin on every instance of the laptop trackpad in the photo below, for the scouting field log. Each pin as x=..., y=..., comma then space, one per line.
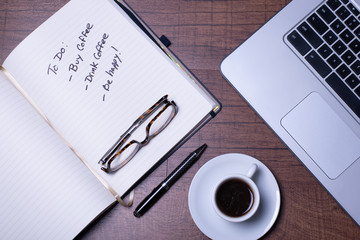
x=323, y=135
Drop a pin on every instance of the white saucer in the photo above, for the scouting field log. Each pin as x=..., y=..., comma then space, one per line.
x=205, y=216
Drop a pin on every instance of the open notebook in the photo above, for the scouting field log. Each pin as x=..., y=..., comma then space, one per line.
x=67, y=93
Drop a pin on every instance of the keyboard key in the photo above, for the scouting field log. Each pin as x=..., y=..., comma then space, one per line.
x=326, y=14
x=333, y=4
x=357, y=32
x=352, y=81
x=330, y=37
x=357, y=91
x=346, y=36
x=343, y=71
x=318, y=24
x=334, y=61
x=342, y=13
x=325, y=51
x=353, y=9
x=348, y=57
x=352, y=23
x=344, y=93
x=310, y=35
x=318, y=64
x=356, y=67
x=345, y=1
x=337, y=26
x=355, y=46
x=298, y=42
x=339, y=47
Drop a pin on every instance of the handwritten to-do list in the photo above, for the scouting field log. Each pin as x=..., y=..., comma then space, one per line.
x=89, y=63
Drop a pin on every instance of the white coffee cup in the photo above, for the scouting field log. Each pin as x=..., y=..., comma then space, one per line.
x=236, y=197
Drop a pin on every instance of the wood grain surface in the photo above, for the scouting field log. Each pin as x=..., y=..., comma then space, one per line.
x=202, y=33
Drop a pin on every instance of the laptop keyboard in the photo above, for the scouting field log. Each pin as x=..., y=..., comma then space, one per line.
x=328, y=39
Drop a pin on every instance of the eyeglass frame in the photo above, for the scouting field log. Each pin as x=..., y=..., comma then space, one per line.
x=114, y=151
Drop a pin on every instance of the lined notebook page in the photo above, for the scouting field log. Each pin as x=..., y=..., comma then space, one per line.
x=46, y=192
x=93, y=72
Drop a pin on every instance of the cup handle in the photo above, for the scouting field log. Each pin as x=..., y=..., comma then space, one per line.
x=251, y=170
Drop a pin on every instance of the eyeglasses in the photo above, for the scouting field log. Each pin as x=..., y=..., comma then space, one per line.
x=117, y=156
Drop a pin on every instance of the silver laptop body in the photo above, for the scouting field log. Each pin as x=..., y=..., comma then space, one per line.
x=289, y=72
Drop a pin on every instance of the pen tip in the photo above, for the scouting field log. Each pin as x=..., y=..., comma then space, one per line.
x=201, y=149
x=137, y=214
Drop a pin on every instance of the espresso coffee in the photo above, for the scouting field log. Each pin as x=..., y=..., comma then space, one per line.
x=234, y=197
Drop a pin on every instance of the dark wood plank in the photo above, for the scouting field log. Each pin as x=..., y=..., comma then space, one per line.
x=203, y=32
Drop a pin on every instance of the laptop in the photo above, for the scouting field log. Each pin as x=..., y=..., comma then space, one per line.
x=300, y=73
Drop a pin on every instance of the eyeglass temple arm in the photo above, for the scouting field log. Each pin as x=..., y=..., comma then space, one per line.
x=148, y=112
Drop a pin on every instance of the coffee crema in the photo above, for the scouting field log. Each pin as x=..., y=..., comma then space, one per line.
x=234, y=197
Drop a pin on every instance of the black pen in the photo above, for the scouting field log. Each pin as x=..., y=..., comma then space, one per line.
x=160, y=190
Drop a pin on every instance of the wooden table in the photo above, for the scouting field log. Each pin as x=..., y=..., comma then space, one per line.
x=202, y=33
